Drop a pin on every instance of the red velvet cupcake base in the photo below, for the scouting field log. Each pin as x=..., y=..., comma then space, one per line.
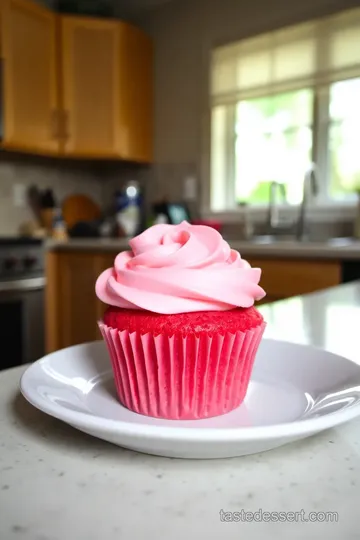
x=182, y=377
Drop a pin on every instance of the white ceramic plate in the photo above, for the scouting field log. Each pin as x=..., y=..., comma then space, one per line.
x=296, y=391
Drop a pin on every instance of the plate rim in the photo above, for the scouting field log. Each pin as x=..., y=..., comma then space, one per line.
x=287, y=430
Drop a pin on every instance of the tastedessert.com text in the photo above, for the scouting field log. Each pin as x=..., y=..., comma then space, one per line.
x=276, y=517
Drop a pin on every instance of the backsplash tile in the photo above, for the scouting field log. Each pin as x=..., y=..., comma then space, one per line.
x=100, y=180
x=158, y=182
x=64, y=178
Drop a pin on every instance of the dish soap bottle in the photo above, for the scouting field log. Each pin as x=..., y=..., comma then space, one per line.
x=128, y=209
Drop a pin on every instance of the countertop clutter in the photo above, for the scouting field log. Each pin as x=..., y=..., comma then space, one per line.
x=58, y=483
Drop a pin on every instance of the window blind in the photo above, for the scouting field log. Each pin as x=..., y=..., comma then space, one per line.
x=302, y=56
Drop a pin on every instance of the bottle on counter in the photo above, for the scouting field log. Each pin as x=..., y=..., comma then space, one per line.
x=160, y=214
x=59, y=231
x=129, y=209
x=160, y=219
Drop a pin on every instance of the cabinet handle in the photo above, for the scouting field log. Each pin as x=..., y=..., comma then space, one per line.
x=54, y=124
x=2, y=70
x=66, y=133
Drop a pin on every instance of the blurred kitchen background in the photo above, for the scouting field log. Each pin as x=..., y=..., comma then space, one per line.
x=117, y=114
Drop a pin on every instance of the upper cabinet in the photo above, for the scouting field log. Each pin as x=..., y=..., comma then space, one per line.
x=75, y=86
x=136, y=94
x=90, y=87
x=30, y=92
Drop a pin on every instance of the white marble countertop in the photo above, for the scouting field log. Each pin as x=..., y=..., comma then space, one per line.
x=59, y=484
x=336, y=249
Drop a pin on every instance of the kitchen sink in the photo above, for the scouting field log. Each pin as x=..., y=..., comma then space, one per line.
x=341, y=241
x=274, y=239
x=271, y=239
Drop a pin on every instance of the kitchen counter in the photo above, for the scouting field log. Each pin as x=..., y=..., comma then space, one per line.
x=57, y=483
x=335, y=249
x=87, y=244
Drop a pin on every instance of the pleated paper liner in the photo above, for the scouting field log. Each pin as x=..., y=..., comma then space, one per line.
x=182, y=378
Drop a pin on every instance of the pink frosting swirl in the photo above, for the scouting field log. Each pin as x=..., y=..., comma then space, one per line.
x=178, y=269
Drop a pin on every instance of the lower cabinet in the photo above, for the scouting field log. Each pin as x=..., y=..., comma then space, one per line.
x=283, y=278
x=72, y=308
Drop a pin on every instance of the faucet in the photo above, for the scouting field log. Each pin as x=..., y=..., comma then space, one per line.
x=273, y=211
x=310, y=188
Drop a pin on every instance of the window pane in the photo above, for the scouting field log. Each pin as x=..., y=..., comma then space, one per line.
x=218, y=158
x=344, y=99
x=344, y=134
x=273, y=143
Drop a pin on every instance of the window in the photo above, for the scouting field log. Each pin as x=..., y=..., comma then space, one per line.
x=344, y=132
x=282, y=101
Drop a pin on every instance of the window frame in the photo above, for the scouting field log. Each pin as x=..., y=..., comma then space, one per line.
x=321, y=207
x=224, y=56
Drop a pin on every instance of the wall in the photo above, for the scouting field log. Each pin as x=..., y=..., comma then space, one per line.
x=63, y=177
x=184, y=33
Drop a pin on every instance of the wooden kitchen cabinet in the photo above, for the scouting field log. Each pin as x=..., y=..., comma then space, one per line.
x=74, y=86
x=72, y=308
x=90, y=56
x=106, y=90
x=282, y=278
x=30, y=91
x=136, y=94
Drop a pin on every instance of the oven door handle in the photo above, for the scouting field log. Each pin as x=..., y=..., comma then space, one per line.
x=22, y=285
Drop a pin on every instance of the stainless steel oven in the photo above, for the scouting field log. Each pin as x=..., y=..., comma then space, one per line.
x=22, y=284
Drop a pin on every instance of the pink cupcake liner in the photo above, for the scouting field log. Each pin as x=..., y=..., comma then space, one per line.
x=182, y=378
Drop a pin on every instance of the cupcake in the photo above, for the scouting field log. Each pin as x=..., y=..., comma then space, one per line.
x=181, y=327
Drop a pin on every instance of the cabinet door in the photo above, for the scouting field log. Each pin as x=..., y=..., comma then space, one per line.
x=136, y=94
x=72, y=308
x=28, y=35
x=90, y=60
x=78, y=303
x=282, y=278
